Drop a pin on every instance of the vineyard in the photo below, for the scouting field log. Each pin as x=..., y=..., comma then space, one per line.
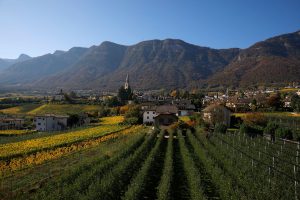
x=180, y=165
x=15, y=132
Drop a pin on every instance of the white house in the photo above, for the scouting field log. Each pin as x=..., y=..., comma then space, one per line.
x=50, y=122
x=59, y=97
x=148, y=115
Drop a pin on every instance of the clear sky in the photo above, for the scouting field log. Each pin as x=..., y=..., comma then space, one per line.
x=37, y=27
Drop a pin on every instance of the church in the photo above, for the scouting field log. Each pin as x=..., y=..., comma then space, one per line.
x=125, y=93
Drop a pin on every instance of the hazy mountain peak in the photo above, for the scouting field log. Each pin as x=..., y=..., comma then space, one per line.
x=23, y=57
x=110, y=44
x=59, y=52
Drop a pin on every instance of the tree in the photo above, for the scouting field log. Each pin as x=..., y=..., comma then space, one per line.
x=68, y=98
x=220, y=128
x=103, y=111
x=73, y=95
x=73, y=120
x=133, y=115
x=196, y=99
x=295, y=103
x=174, y=94
x=254, y=105
x=270, y=130
x=275, y=102
x=125, y=94
x=284, y=133
x=112, y=102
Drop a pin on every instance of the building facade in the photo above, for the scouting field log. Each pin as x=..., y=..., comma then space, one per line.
x=51, y=122
x=215, y=113
x=11, y=123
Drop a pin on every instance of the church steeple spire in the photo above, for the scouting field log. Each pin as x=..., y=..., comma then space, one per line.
x=126, y=86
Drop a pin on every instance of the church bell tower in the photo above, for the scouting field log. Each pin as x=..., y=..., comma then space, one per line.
x=126, y=86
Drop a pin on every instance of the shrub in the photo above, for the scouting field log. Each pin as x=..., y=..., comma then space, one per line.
x=253, y=119
x=131, y=120
x=270, y=128
x=133, y=116
x=284, y=133
x=250, y=130
x=220, y=128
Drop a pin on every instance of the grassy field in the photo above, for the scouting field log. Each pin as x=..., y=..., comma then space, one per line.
x=286, y=90
x=271, y=114
x=111, y=120
x=24, y=109
x=34, y=109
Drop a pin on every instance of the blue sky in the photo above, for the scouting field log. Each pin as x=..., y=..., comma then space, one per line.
x=37, y=27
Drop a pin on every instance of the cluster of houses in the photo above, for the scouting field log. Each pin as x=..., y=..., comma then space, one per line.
x=47, y=122
x=244, y=101
x=177, y=108
x=160, y=110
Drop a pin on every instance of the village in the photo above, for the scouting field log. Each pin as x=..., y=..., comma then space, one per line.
x=161, y=109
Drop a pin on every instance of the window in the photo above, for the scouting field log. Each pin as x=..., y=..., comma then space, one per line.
x=147, y=112
x=147, y=117
x=39, y=124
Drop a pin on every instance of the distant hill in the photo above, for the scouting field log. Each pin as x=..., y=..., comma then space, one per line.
x=40, y=67
x=150, y=64
x=276, y=60
x=156, y=64
x=5, y=63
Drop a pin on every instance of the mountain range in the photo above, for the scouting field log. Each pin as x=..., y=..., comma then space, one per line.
x=5, y=63
x=156, y=64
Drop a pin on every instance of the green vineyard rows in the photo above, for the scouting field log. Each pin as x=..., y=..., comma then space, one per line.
x=177, y=165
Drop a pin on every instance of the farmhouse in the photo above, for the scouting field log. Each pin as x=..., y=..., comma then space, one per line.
x=59, y=96
x=11, y=123
x=50, y=122
x=149, y=113
x=185, y=107
x=166, y=115
x=216, y=113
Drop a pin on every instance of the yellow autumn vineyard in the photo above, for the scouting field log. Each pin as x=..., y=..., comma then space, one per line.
x=28, y=146
x=15, y=132
x=111, y=120
x=42, y=156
